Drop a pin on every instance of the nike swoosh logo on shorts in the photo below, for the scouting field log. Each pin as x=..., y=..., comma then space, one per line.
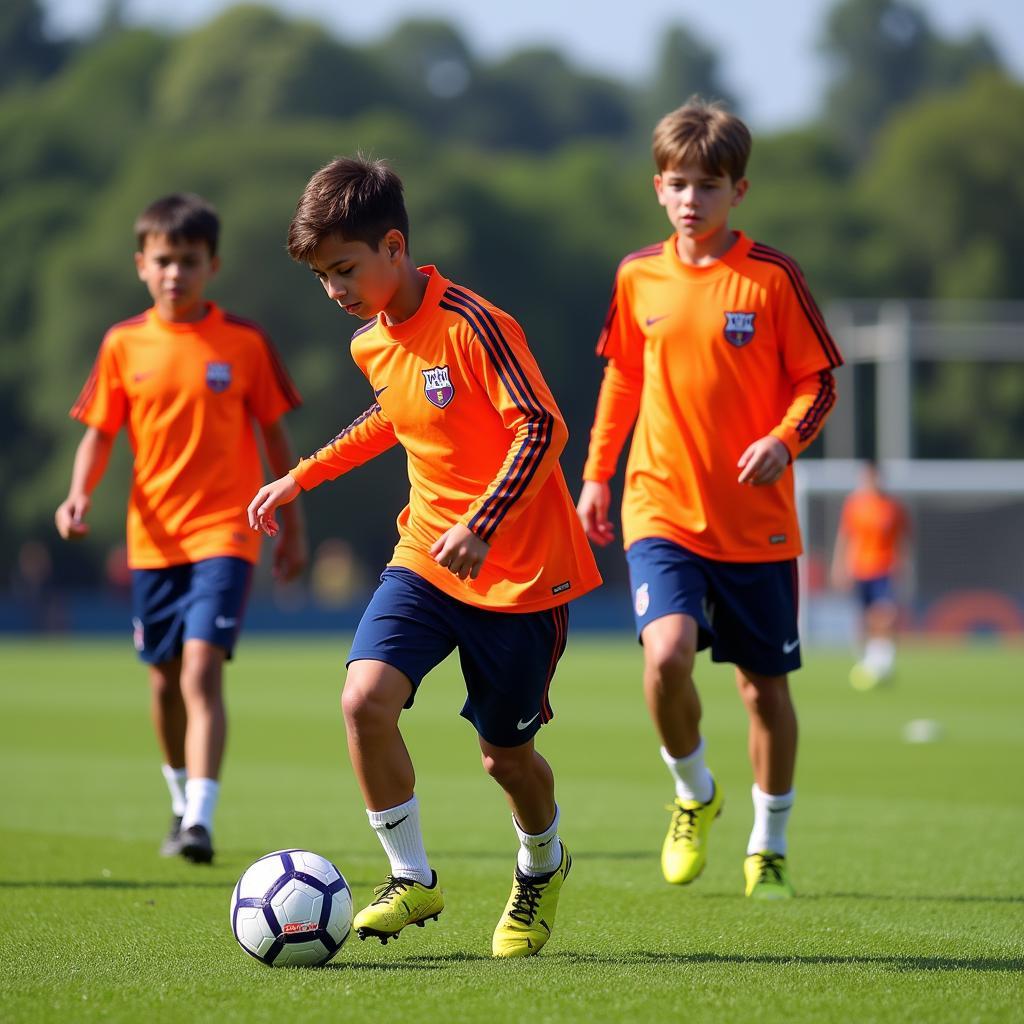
x=223, y=622
x=790, y=646
x=389, y=825
x=525, y=725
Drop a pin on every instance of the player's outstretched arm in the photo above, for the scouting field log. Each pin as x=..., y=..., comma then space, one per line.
x=268, y=497
x=90, y=464
x=291, y=550
x=460, y=551
x=592, y=508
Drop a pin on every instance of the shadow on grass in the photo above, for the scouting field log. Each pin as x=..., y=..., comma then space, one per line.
x=112, y=883
x=427, y=962
x=1011, y=964
x=870, y=896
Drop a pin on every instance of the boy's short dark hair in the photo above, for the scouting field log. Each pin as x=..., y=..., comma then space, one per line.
x=354, y=197
x=180, y=216
x=703, y=133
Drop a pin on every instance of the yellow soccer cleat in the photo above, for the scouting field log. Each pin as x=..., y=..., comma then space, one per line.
x=530, y=912
x=398, y=903
x=863, y=677
x=767, y=877
x=685, y=850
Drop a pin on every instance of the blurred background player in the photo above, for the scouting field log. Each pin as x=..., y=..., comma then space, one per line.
x=717, y=351
x=188, y=380
x=489, y=550
x=871, y=542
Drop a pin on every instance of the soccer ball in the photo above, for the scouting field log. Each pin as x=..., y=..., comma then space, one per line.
x=291, y=908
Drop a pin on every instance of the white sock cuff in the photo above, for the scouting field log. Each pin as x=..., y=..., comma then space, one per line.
x=531, y=839
x=694, y=755
x=773, y=801
x=392, y=814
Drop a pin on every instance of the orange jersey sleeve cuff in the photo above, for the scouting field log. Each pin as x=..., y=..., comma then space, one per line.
x=813, y=399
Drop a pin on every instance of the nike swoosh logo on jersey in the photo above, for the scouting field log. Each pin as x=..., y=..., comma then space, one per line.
x=136, y=377
x=223, y=622
x=389, y=825
x=654, y=319
x=380, y=391
x=790, y=646
x=525, y=725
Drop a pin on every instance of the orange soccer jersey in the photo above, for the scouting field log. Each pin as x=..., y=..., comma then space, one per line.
x=875, y=527
x=457, y=386
x=188, y=393
x=708, y=360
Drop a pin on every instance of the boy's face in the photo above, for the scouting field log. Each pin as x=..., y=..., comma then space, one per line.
x=360, y=279
x=697, y=202
x=176, y=273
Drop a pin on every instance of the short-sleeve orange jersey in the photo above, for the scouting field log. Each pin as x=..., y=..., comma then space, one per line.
x=458, y=387
x=708, y=360
x=875, y=526
x=188, y=394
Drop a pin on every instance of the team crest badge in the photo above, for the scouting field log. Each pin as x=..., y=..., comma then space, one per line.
x=739, y=328
x=437, y=386
x=218, y=376
x=642, y=600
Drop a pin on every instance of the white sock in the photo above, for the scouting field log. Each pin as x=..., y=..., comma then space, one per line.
x=539, y=854
x=879, y=655
x=200, y=803
x=398, y=829
x=771, y=816
x=693, y=780
x=175, y=779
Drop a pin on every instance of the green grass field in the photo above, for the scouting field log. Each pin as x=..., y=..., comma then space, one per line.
x=908, y=858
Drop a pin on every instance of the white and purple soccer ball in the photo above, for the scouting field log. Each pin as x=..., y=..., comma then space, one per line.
x=291, y=908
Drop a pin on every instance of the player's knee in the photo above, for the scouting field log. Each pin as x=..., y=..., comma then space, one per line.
x=507, y=769
x=669, y=661
x=364, y=707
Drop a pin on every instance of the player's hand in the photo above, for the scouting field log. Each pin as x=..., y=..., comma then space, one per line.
x=290, y=553
x=268, y=497
x=763, y=462
x=460, y=551
x=592, y=508
x=70, y=516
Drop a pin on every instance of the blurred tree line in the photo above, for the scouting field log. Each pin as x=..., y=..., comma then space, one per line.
x=527, y=179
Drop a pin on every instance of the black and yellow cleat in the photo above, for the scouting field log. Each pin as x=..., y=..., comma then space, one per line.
x=767, y=877
x=685, y=850
x=530, y=912
x=398, y=903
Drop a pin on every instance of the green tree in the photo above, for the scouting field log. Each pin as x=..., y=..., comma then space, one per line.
x=885, y=54
x=27, y=54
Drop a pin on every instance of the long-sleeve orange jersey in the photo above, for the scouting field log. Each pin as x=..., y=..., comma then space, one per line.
x=706, y=360
x=457, y=386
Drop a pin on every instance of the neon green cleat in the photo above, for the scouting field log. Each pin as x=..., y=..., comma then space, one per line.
x=530, y=912
x=398, y=903
x=685, y=850
x=767, y=877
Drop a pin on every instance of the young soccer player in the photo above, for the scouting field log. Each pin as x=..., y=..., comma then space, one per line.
x=489, y=549
x=717, y=351
x=187, y=380
x=870, y=546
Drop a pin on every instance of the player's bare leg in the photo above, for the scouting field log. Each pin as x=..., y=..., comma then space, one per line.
x=167, y=710
x=372, y=702
x=772, y=741
x=543, y=862
x=670, y=647
x=202, y=690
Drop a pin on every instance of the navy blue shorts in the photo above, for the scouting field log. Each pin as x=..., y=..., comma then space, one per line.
x=746, y=612
x=508, y=658
x=202, y=600
x=876, y=590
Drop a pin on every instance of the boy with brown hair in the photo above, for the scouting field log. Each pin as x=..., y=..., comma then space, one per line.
x=489, y=552
x=187, y=380
x=718, y=353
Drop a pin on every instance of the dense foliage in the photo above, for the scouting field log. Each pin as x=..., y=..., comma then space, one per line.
x=527, y=179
